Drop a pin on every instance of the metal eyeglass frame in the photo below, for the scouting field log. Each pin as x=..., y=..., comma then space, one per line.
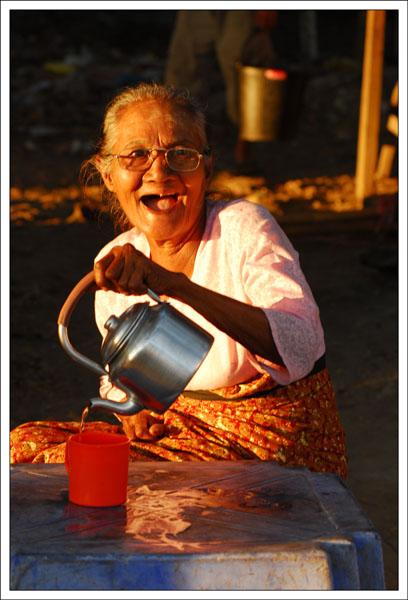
x=151, y=159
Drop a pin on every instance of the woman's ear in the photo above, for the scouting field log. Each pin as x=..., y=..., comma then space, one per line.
x=107, y=179
x=106, y=175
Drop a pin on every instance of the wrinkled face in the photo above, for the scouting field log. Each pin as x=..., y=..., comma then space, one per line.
x=164, y=204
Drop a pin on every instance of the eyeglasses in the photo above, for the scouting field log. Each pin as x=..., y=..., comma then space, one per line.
x=178, y=159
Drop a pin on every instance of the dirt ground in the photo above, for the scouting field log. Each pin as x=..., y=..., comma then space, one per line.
x=350, y=258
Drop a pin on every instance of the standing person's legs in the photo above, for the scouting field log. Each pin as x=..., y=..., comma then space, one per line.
x=236, y=27
x=191, y=43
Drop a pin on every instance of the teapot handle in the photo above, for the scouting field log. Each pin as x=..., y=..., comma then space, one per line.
x=86, y=284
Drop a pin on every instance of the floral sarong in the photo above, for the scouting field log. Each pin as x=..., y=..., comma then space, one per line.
x=295, y=425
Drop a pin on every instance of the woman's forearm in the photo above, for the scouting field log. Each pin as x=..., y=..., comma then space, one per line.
x=126, y=270
x=246, y=324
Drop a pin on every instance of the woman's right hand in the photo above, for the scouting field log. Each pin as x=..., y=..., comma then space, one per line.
x=128, y=271
x=142, y=426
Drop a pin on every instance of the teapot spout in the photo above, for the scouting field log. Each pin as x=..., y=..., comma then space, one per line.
x=131, y=406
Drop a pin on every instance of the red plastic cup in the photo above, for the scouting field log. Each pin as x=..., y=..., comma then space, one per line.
x=97, y=464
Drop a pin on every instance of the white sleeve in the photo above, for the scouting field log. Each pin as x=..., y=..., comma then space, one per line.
x=273, y=280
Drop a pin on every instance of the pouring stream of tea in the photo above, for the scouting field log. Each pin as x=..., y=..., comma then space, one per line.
x=83, y=417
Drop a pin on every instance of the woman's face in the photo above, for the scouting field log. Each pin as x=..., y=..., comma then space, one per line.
x=168, y=206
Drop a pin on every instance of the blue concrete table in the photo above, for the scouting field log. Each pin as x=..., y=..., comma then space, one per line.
x=222, y=525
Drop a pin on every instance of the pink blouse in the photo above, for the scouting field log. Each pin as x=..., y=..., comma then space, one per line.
x=244, y=254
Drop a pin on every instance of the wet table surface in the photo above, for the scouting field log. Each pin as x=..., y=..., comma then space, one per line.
x=207, y=525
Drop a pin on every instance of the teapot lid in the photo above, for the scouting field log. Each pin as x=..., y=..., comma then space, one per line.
x=120, y=330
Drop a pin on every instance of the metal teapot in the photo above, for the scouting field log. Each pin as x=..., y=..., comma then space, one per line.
x=152, y=352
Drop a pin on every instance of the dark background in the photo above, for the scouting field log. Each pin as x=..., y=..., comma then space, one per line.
x=350, y=261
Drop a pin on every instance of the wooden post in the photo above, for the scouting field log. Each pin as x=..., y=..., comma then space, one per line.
x=387, y=152
x=370, y=105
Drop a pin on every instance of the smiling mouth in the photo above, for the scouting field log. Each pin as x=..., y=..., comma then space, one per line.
x=160, y=202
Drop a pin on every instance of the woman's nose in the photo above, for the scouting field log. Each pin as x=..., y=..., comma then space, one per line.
x=159, y=167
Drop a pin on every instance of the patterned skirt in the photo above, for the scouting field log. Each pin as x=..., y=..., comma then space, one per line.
x=295, y=425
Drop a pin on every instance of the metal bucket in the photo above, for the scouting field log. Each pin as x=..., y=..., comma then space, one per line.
x=261, y=99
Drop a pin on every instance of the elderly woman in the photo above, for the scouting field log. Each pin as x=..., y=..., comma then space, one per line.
x=263, y=391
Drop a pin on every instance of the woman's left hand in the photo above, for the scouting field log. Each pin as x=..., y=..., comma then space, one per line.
x=142, y=426
x=127, y=271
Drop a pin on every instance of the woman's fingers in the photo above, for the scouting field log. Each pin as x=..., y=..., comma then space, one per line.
x=156, y=430
x=114, y=270
x=131, y=279
x=142, y=426
x=127, y=267
x=99, y=270
x=109, y=268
